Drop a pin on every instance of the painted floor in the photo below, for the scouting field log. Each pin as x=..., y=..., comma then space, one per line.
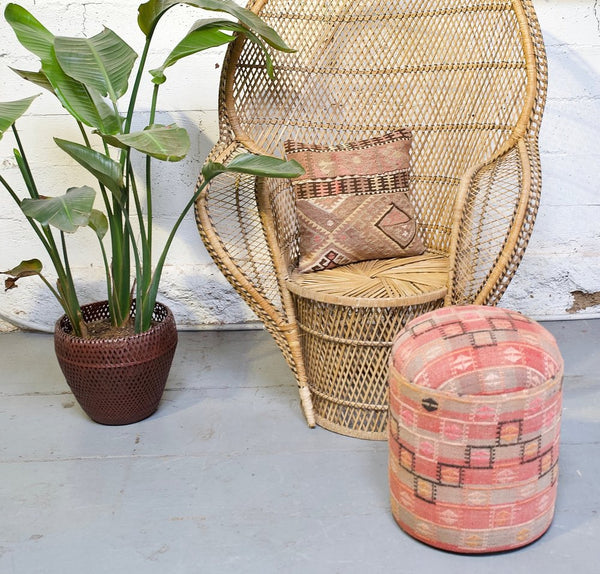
x=227, y=478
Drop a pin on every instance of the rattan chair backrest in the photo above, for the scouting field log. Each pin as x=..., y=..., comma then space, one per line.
x=460, y=74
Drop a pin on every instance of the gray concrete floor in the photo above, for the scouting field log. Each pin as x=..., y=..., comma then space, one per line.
x=226, y=477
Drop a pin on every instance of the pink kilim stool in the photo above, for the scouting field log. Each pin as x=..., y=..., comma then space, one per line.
x=475, y=404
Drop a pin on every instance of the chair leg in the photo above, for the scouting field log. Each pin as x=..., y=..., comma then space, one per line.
x=293, y=339
x=307, y=407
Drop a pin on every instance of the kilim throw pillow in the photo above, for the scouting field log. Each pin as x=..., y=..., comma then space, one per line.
x=352, y=202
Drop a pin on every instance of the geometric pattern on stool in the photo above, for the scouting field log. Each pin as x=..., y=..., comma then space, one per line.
x=475, y=405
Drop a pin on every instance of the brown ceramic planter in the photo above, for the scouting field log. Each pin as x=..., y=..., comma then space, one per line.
x=117, y=381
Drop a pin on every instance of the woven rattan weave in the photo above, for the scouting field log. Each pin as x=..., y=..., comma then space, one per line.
x=468, y=77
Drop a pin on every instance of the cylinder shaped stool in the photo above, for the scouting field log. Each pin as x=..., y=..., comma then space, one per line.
x=475, y=405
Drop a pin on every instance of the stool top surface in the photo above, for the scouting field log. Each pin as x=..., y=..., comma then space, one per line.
x=476, y=350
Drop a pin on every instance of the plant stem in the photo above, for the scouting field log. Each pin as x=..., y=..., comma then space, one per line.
x=56, y=294
x=10, y=190
x=127, y=238
x=105, y=196
x=107, y=271
x=31, y=221
x=120, y=269
x=84, y=134
x=142, y=266
x=66, y=257
x=118, y=307
x=145, y=309
x=106, y=148
x=121, y=261
x=136, y=85
x=131, y=183
x=46, y=232
x=151, y=295
x=149, y=212
x=32, y=187
x=70, y=294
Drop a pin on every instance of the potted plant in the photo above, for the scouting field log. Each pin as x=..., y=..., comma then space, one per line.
x=116, y=354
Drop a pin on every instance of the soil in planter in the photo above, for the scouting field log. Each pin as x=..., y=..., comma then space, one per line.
x=103, y=329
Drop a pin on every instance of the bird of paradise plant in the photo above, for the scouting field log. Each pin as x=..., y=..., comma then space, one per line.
x=90, y=76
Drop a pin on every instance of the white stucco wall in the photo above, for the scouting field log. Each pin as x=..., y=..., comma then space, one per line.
x=563, y=257
x=560, y=273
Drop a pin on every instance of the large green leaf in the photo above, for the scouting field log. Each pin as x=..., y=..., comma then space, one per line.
x=208, y=34
x=150, y=13
x=203, y=35
x=30, y=32
x=168, y=143
x=24, y=269
x=252, y=164
x=67, y=212
x=82, y=103
x=110, y=122
x=99, y=223
x=106, y=170
x=38, y=78
x=10, y=112
x=103, y=62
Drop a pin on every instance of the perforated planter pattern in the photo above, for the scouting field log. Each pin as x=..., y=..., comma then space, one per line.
x=121, y=380
x=475, y=405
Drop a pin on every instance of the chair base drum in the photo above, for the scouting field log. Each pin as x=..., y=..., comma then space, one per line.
x=346, y=339
x=475, y=405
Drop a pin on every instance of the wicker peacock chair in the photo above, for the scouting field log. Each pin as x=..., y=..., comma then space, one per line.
x=468, y=77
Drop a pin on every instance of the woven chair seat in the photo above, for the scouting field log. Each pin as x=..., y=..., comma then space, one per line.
x=396, y=282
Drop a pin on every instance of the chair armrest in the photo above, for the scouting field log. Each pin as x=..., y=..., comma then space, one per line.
x=493, y=218
x=278, y=209
x=231, y=228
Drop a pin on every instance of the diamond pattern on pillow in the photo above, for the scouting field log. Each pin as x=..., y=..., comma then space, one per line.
x=353, y=202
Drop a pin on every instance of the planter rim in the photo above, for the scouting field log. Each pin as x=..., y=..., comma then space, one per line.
x=63, y=323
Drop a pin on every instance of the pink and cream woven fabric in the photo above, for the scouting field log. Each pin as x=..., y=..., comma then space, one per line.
x=353, y=203
x=475, y=405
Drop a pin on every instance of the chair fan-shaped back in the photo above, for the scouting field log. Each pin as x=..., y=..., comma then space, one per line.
x=454, y=71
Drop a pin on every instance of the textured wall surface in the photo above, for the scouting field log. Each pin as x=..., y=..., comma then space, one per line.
x=559, y=276
x=560, y=273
